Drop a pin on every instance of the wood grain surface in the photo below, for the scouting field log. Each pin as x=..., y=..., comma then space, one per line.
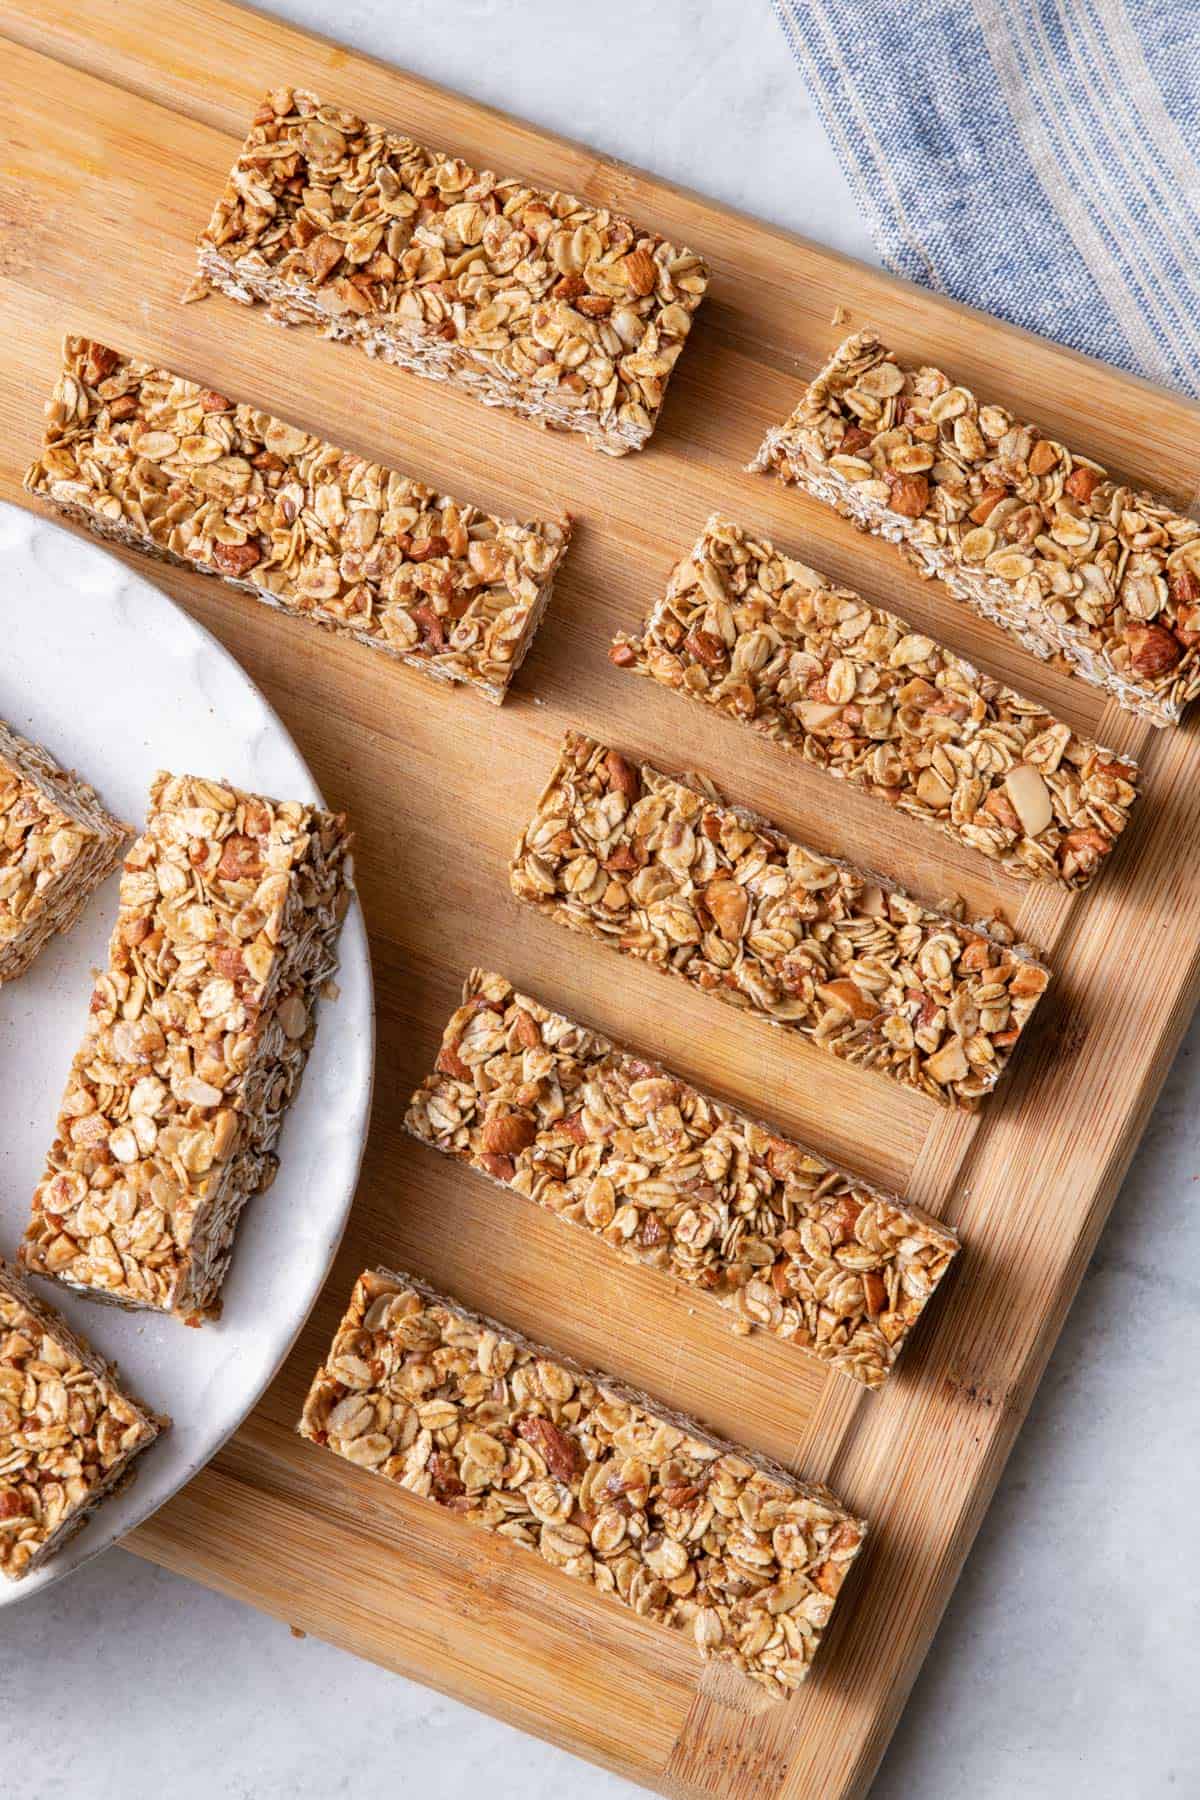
x=117, y=126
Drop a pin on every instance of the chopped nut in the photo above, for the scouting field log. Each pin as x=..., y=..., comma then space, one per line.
x=196, y=1042
x=1153, y=650
x=1030, y=798
x=909, y=494
x=508, y=1133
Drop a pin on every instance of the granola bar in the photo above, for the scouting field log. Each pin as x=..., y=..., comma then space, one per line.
x=197, y=1038
x=638, y=1502
x=657, y=867
x=67, y=1432
x=183, y=473
x=57, y=844
x=857, y=691
x=1028, y=532
x=670, y=1178
x=539, y=302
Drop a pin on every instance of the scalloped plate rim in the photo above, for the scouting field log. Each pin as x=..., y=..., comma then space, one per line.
x=345, y=1037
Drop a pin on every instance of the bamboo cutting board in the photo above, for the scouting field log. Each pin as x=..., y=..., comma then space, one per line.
x=117, y=126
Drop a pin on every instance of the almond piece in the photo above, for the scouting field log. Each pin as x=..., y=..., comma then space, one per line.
x=949, y=1063
x=1081, y=483
x=909, y=495
x=641, y=272
x=847, y=995
x=829, y=1577
x=816, y=716
x=989, y=498
x=528, y=1031
x=449, y=1062
x=933, y=790
x=1187, y=625
x=1153, y=650
x=1027, y=981
x=875, y=1292
x=235, y=559
x=560, y=1451
x=1030, y=798
x=977, y=955
x=100, y=363
x=1043, y=457
x=1081, y=850
x=500, y=1168
x=1000, y=807
x=507, y=1133
x=728, y=904
x=841, y=1219
x=622, y=775
x=706, y=648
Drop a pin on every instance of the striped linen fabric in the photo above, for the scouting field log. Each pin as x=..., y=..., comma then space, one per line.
x=1031, y=157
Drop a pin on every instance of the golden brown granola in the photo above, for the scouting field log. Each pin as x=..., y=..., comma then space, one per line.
x=1030, y=533
x=535, y=301
x=672, y=1179
x=180, y=471
x=759, y=636
x=57, y=844
x=640, y=1503
x=67, y=1432
x=657, y=868
x=197, y=1037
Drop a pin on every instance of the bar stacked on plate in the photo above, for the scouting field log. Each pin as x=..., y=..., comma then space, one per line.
x=197, y=1037
x=57, y=844
x=68, y=1433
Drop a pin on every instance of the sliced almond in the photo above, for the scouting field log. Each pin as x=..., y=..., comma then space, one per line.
x=932, y=789
x=816, y=716
x=873, y=901
x=847, y=995
x=1030, y=798
x=949, y=1063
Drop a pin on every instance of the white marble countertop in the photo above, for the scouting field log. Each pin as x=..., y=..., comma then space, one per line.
x=1067, y=1662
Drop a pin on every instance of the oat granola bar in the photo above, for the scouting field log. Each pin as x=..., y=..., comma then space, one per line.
x=535, y=301
x=1029, y=533
x=670, y=1178
x=762, y=638
x=181, y=472
x=57, y=844
x=67, y=1432
x=655, y=866
x=197, y=1038
x=638, y=1502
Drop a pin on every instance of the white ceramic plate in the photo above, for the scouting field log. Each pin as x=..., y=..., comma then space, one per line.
x=116, y=681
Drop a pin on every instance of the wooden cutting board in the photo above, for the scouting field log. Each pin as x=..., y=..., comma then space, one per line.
x=117, y=126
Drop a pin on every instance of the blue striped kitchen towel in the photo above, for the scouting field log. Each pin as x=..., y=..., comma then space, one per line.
x=1032, y=157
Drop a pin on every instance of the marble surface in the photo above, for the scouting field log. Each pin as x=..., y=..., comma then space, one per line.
x=1067, y=1661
